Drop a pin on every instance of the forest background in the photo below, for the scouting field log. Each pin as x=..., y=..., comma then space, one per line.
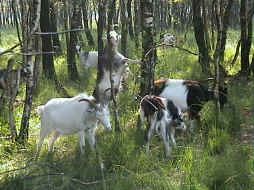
x=212, y=39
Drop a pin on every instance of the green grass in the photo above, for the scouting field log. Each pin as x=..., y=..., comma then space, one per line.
x=213, y=158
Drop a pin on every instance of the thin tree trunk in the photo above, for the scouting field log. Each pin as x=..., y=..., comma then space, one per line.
x=130, y=23
x=199, y=31
x=149, y=61
x=244, y=40
x=74, y=23
x=30, y=44
x=85, y=20
x=53, y=28
x=137, y=22
x=124, y=30
x=111, y=14
x=47, y=59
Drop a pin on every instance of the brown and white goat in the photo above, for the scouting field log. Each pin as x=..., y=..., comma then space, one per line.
x=162, y=114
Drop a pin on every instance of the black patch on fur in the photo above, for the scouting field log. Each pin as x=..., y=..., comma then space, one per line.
x=197, y=95
x=173, y=110
x=160, y=114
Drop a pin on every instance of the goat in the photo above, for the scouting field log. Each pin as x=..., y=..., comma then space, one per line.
x=119, y=65
x=79, y=114
x=164, y=114
x=88, y=59
x=188, y=95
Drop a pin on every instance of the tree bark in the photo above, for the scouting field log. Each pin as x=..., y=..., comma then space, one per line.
x=74, y=23
x=137, y=22
x=149, y=61
x=85, y=20
x=199, y=31
x=53, y=28
x=124, y=30
x=130, y=23
x=47, y=59
x=30, y=44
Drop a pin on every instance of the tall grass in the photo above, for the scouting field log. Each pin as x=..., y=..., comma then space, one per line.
x=211, y=158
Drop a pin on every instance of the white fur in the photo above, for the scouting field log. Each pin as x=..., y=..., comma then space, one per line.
x=177, y=92
x=64, y=116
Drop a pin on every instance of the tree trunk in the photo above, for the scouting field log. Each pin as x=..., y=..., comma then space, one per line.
x=124, y=30
x=53, y=28
x=137, y=21
x=149, y=61
x=199, y=31
x=244, y=38
x=101, y=11
x=31, y=44
x=130, y=24
x=111, y=14
x=74, y=23
x=85, y=20
x=47, y=59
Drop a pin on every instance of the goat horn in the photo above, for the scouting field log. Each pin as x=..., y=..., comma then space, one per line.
x=92, y=103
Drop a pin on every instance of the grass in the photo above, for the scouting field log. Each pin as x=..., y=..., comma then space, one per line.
x=212, y=158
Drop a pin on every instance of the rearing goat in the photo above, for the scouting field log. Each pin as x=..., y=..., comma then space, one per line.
x=119, y=65
x=163, y=114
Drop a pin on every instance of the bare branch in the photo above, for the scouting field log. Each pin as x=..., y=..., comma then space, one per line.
x=173, y=46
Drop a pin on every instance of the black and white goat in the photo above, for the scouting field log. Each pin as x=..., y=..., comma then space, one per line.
x=162, y=114
x=188, y=95
x=64, y=116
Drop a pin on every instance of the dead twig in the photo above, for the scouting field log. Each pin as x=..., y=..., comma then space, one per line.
x=170, y=45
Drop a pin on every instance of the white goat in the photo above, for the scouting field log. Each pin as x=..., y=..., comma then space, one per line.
x=188, y=95
x=64, y=116
x=162, y=114
x=88, y=59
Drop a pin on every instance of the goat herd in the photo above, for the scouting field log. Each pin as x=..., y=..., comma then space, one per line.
x=162, y=110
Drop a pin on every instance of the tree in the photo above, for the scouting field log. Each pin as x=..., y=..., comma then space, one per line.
x=246, y=35
x=31, y=42
x=199, y=30
x=84, y=5
x=71, y=49
x=47, y=59
x=149, y=60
